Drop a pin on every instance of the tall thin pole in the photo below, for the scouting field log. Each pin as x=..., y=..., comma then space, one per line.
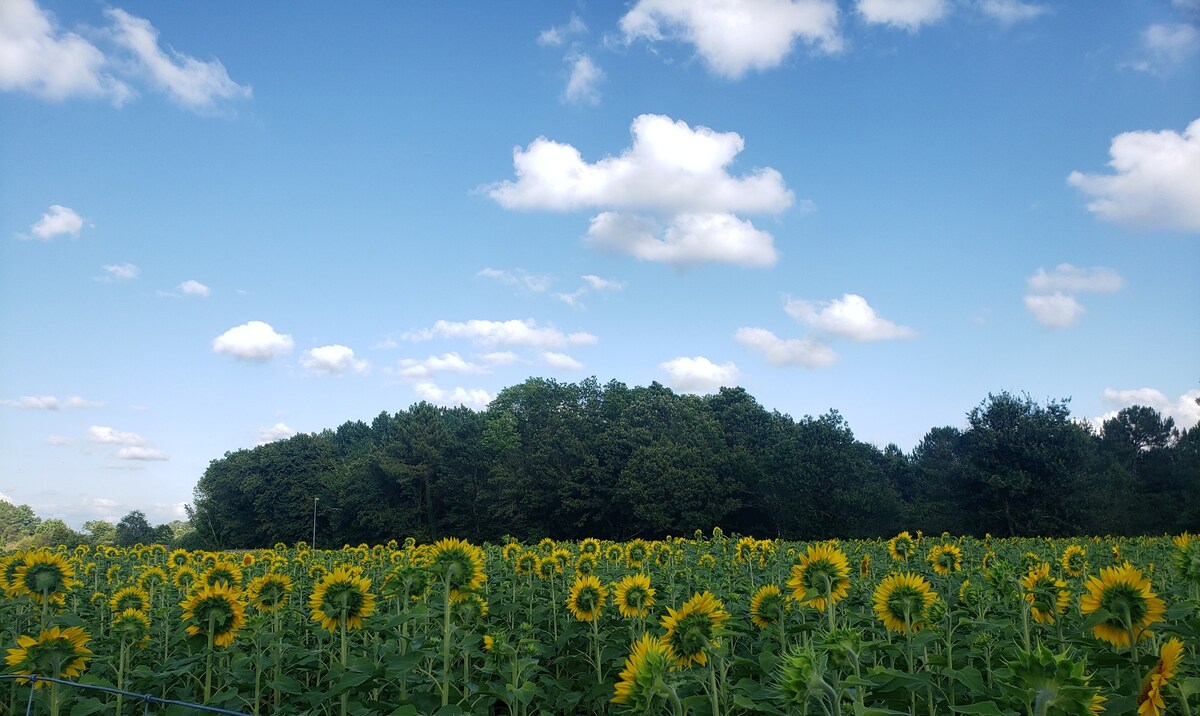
x=314, y=539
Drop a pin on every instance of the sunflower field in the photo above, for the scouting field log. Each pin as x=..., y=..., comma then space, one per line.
x=705, y=625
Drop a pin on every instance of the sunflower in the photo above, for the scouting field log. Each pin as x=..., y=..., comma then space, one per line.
x=901, y=547
x=546, y=568
x=152, y=578
x=707, y=561
x=864, y=566
x=469, y=607
x=903, y=600
x=184, y=578
x=641, y=679
x=586, y=598
x=634, y=596
x=692, y=629
x=614, y=553
x=511, y=551
x=129, y=598
x=768, y=606
x=1125, y=594
x=341, y=597
x=824, y=570
x=1187, y=558
x=269, y=592
x=526, y=564
x=591, y=546
x=218, y=608
x=546, y=546
x=745, y=550
x=58, y=653
x=43, y=575
x=1057, y=681
x=223, y=572
x=946, y=559
x=1074, y=561
x=1048, y=596
x=459, y=563
x=586, y=564
x=636, y=553
x=133, y=627
x=563, y=557
x=1150, y=698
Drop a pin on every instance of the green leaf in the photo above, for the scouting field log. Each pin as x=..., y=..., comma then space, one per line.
x=986, y=708
x=89, y=706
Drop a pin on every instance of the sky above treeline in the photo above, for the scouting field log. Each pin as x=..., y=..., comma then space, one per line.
x=227, y=223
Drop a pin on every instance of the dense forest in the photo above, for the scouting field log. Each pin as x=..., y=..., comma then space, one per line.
x=571, y=460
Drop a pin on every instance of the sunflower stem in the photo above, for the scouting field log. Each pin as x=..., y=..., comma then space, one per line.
x=446, y=639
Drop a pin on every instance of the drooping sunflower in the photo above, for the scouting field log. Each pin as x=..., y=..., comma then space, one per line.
x=945, y=559
x=129, y=598
x=341, y=597
x=269, y=592
x=1047, y=596
x=693, y=630
x=43, y=575
x=1074, y=561
x=56, y=652
x=634, y=596
x=459, y=563
x=218, y=607
x=768, y=606
x=902, y=602
x=469, y=607
x=1125, y=594
x=901, y=547
x=1150, y=698
x=132, y=627
x=640, y=681
x=824, y=570
x=586, y=599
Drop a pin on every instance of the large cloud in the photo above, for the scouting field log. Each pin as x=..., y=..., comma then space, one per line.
x=791, y=351
x=333, y=360
x=699, y=374
x=278, y=431
x=849, y=317
x=476, y=398
x=1185, y=410
x=525, y=332
x=1155, y=184
x=446, y=363
x=1057, y=310
x=736, y=36
x=254, y=341
x=690, y=239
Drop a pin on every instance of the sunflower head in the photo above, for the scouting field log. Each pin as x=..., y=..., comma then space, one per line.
x=342, y=597
x=1124, y=593
x=130, y=598
x=184, y=577
x=1150, y=697
x=459, y=564
x=903, y=602
x=217, y=609
x=269, y=592
x=43, y=575
x=223, y=572
x=843, y=646
x=768, y=606
x=586, y=564
x=945, y=559
x=1047, y=596
x=526, y=563
x=1187, y=558
x=641, y=681
x=636, y=553
x=468, y=607
x=693, y=630
x=707, y=561
x=1056, y=680
x=133, y=627
x=902, y=547
x=591, y=546
x=799, y=677
x=56, y=652
x=546, y=568
x=634, y=596
x=821, y=572
x=586, y=599
x=1074, y=561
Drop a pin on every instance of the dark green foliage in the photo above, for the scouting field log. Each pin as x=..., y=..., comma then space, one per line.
x=577, y=460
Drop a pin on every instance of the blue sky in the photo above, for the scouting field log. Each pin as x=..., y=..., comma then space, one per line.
x=223, y=226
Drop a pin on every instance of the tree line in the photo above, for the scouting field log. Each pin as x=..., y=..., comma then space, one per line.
x=573, y=460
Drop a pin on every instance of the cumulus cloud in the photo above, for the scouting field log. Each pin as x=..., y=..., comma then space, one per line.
x=191, y=83
x=39, y=57
x=558, y=35
x=690, y=239
x=736, y=36
x=114, y=273
x=333, y=360
x=254, y=341
x=1155, y=184
x=582, y=84
x=1166, y=47
x=1010, y=12
x=1183, y=409
x=192, y=287
x=524, y=332
x=141, y=453
x=699, y=374
x=446, y=363
x=110, y=436
x=518, y=277
x=50, y=402
x=1057, y=310
x=278, y=431
x=1075, y=279
x=793, y=351
x=905, y=14
x=849, y=317
x=560, y=361
x=59, y=220
x=477, y=398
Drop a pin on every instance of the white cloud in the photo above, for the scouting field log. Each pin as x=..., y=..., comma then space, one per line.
x=477, y=398
x=333, y=360
x=560, y=361
x=110, y=436
x=1075, y=279
x=519, y=277
x=59, y=440
x=57, y=221
x=585, y=76
x=141, y=453
x=499, y=358
x=670, y=167
x=1184, y=409
x=278, y=431
x=556, y=36
x=37, y=56
x=50, y=402
x=591, y=283
x=1057, y=310
x=119, y=272
x=689, y=240
x=1166, y=47
x=793, y=351
x=849, y=316
x=1156, y=183
x=254, y=341
x=699, y=374
x=192, y=287
x=6, y=498
x=1010, y=12
x=446, y=363
x=905, y=14
x=194, y=84
x=736, y=36
x=524, y=332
